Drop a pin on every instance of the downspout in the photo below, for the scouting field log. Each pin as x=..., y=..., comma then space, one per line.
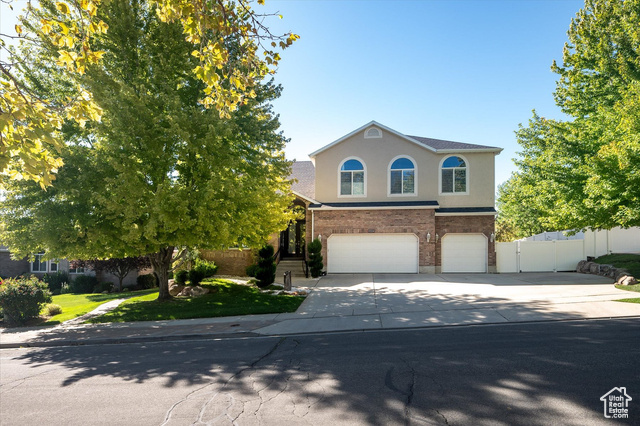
x=313, y=233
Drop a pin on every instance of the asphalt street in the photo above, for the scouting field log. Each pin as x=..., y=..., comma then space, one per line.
x=550, y=373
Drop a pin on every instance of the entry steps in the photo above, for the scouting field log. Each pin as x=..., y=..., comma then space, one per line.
x=296, y=266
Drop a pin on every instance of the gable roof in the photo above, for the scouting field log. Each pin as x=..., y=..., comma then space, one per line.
x=440, y=145
x=435, y=145
x=305, y=174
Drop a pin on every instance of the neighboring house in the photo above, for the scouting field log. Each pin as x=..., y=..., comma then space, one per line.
x=39, y=267
x=385, y=202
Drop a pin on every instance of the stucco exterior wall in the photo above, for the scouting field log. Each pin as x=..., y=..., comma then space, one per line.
x=377, y=155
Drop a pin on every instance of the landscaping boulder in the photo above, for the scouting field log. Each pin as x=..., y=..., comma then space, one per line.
x=626, y=280
x=594, y=268
x=175, y=289
x=583, y=267
x=193, y=291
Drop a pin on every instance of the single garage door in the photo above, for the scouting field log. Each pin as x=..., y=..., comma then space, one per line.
x=464, y=253
x=369, y=253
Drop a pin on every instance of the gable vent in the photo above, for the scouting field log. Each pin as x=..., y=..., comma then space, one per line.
x=372, y=132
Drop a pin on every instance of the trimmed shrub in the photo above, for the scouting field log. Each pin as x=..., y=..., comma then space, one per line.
x=146, y=281
x=102, y=287
x=201, y=269
x=315, y=258
x=195, y=277
x=266, y=268
x=52, y=309
x=251, y=270
x=22, y=298
x=181, y=276
x=83, y=284
x=55, y=281
x=206, y=267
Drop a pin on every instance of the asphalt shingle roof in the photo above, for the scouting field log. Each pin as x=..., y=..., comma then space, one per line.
x=439, y=144
x=305, y=173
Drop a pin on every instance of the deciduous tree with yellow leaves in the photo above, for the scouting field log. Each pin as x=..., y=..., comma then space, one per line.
x=30, y=138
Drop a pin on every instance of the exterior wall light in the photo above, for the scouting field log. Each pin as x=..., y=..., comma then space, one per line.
x=428, y=236
x=493, y=237
x=437, y=236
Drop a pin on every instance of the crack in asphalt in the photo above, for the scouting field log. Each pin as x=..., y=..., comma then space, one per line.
x=206, y=404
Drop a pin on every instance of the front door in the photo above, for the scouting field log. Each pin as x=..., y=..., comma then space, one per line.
x=292, y=239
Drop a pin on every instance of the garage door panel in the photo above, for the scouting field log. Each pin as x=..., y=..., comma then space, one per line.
x=464, y=253
x=374, y=253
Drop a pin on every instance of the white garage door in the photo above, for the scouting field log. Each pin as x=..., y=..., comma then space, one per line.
x=355, y=253
x=464, y=253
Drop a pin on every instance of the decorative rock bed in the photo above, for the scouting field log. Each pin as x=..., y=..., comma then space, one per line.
x=621, y=276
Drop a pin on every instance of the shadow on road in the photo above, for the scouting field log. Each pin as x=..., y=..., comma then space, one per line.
x=519, y=374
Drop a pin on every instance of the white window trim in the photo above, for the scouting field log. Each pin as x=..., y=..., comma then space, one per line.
x=46, y=263
x=415, y=177
x=77, y=273
x=440, y=176
x=366, y=133
x=364, y=166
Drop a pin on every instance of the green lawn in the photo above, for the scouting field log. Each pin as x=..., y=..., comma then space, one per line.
x=225, y=299
x=630, y=262
x=629, y=288
x=75, y=305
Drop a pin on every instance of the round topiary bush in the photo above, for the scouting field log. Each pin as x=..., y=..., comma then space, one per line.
x=266, y=270
x=315, y=258
x=22, y=298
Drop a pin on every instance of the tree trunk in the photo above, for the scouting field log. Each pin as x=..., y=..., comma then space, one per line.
x=161, y=263
x=120, y=283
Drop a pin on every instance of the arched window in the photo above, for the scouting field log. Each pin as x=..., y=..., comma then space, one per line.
x=402, y=177
x=372, y=133
x=352, y=178
x=453, y=176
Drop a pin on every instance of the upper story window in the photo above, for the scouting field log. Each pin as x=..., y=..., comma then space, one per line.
x=402, y=177
x=352, y=178
x=453, y=176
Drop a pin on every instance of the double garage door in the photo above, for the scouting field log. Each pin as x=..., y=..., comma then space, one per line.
x=398, y=253
x=372, y=253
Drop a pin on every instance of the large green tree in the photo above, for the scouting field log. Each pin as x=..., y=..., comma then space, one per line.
x=159, y=172
x=585, y=172
x=30, y=137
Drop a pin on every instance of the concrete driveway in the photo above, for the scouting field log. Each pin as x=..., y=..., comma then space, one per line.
x=370, y=301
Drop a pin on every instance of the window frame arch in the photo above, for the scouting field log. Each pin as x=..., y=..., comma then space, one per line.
x=377, y=136
x=467, y=174
x=415, y=177
x=364, y=178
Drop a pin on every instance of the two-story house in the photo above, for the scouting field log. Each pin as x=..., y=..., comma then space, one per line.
x=386, y=202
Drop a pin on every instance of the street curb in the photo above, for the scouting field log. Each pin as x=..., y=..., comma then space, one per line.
x=115, y=341
x=249, y=334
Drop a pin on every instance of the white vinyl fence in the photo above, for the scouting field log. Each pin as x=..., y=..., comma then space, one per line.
x=564, y=255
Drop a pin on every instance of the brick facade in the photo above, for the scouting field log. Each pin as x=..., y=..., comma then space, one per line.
x=467, y=225
x=230, y=262
x=12, y=268
x=397, y=221
x=401, y=221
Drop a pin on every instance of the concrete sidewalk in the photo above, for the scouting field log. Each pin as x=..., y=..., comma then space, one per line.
x=370, y=302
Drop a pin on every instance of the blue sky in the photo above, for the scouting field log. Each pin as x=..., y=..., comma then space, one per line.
x=461, y=70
